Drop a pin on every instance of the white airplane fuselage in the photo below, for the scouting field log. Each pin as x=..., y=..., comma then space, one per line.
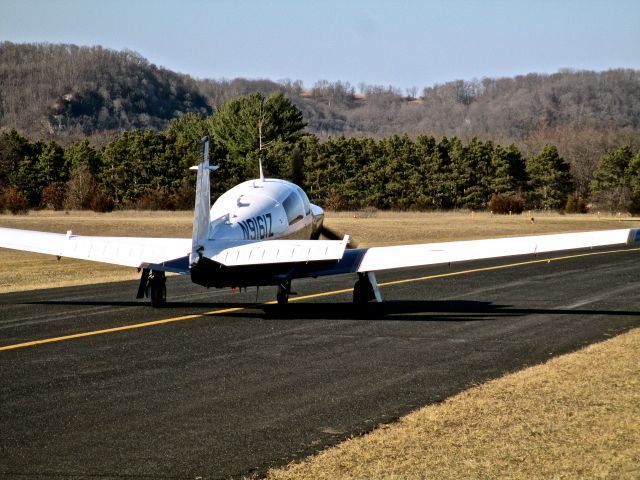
x=266, y=209
x=255, y=211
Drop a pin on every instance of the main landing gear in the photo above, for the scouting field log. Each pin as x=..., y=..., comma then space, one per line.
x=284, y=290
x=153, y=285
x=158, y=289
x=366, y=288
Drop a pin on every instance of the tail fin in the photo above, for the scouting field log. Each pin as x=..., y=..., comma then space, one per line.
x=201, y=214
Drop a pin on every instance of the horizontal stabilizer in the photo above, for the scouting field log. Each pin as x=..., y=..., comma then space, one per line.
x=243, y=252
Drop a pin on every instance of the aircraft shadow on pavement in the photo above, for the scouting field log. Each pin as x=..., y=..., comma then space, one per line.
x=418, y=310
x=402, y=310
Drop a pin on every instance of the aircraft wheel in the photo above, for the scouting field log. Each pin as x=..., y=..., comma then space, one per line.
x=158, y=296
x=362, y=290
x=283, y=295
x=158, y=289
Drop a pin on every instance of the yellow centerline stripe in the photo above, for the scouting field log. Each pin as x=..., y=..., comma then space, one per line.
x=304, y=297
x=509, y=265
x=120, y=329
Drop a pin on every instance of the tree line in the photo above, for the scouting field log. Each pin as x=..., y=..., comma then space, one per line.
x=150, y=169
x=68, y=93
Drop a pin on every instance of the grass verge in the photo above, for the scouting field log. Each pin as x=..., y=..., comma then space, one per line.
x=576, y=416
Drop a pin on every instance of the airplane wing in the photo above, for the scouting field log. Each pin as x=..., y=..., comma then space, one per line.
x=231, y=262
x=143, y=251
x=384, y=258
x=138, y=252
x=171, y=254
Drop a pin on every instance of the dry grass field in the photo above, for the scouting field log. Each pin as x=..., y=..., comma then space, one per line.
x=27, y=271
x=577, y=416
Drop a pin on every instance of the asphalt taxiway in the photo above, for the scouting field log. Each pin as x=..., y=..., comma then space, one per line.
x=96, y=384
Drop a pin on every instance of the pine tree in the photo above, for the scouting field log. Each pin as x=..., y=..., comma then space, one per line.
x=611, y=181
x=508, y=169
x=550, y=180
x=247, y=123
x=82, y=153
x=13, y=149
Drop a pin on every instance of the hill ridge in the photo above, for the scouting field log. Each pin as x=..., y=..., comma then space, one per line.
x=64, y=91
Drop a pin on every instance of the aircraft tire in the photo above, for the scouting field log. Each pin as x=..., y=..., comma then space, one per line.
x=159, y=296
x=282, y=296
x=158, y=289
x=362, y=290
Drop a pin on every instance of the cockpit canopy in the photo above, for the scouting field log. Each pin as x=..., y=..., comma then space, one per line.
x=296, y=205
x=260, y=195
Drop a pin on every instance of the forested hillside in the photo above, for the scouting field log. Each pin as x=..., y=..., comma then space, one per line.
x=149, y=169
x=88, y=127
x=63, y=91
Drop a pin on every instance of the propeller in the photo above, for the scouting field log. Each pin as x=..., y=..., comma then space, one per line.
x=331, y=234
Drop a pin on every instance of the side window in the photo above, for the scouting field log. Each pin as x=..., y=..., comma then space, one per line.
x=294, y=208
x=305, y=201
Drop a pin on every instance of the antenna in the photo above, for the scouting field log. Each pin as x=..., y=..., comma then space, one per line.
x=262, y=146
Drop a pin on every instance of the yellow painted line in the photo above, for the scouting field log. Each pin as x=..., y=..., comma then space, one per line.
x=500, y=267
x=463, y=272
x=120, y=329
x=304, y=297
x=322, y=294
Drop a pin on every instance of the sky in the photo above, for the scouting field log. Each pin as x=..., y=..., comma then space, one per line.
x=399, y=43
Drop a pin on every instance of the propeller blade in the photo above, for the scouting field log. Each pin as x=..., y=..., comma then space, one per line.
x=330, y=234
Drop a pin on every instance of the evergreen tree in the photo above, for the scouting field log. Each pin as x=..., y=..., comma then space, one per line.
x=550, y=180
x=460, y=171
x=51, y=165
x=632, y=173
x=313, y=167
x=79, y=154
x=509, y=175
x=433, y=172
x=611, y=181
x=399, y=171
x=370, y=174
x=13, y=149
x=473, y=174
x=28, y=177
x=242, y=127
x=633, y=176
x=247, y=123
x=183, y=137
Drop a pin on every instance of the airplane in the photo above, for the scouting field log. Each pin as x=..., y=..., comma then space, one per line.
x=265, y=231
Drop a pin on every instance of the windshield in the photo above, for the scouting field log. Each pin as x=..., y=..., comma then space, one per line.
x=294, y=208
